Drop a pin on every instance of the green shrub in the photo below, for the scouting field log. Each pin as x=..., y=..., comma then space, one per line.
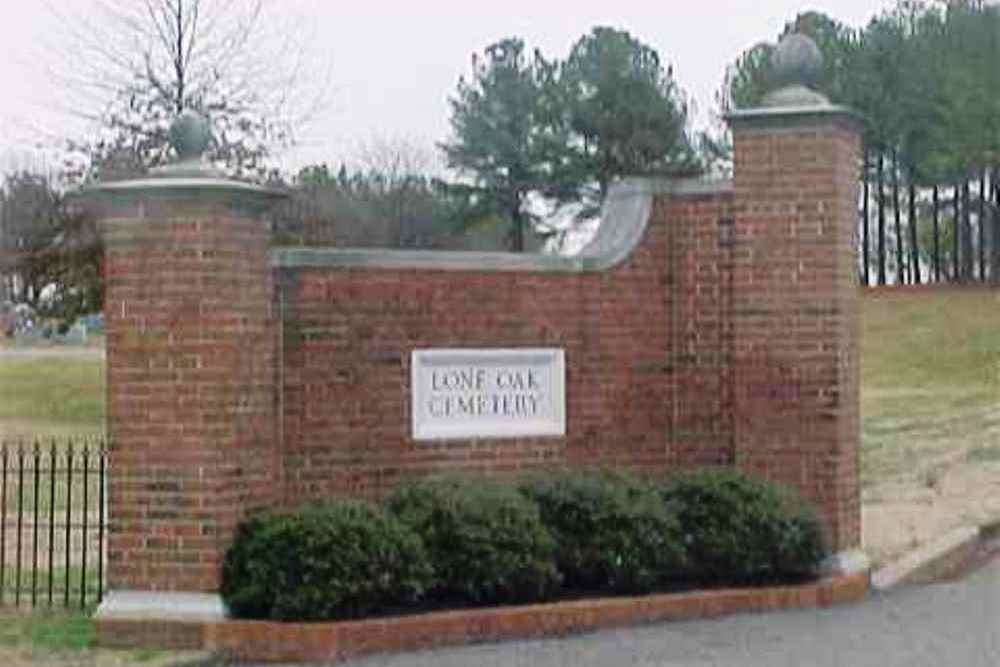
x=612, y=531
x=486, y=541
x=740, y=529
x=325, y=562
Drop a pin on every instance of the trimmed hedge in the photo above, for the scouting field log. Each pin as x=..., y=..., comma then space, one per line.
x=486, y=541
x=480, y=542
x=335, y=561
x=613, y=532
x=741, y=529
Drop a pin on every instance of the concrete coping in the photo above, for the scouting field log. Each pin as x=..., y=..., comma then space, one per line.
x=182, y=185
x=624, y=218
x=800, y=113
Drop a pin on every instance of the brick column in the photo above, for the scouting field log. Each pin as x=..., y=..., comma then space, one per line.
x=796, y=302
x=191, y=403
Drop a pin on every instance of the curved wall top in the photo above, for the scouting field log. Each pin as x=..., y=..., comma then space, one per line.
x=625, y=216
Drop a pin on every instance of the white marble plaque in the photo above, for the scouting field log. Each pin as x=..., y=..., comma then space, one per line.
x=466, y=393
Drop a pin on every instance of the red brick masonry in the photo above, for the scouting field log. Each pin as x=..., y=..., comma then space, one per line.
x=727, y=335
x=190, y=353
x=647, y=378
x=255, y=641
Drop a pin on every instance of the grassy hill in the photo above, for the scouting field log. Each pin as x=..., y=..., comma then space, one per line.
x=930, y=377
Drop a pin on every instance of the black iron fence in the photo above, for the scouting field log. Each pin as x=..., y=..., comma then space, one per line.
x=53, y=522
x=912, y=235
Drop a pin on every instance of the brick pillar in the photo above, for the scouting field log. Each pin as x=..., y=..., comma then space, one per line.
x=796, y=302
x=191, y=404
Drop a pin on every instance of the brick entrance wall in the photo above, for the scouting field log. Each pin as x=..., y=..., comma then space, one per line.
x=722, y=330
x=727, y=337
x=646, y=351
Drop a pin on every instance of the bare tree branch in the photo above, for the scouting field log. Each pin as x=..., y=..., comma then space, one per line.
x=134, y=65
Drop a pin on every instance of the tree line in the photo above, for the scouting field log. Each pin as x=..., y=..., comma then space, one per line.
x=50, y=254
x=532, y=135
x=922, y=78
x=529, y=135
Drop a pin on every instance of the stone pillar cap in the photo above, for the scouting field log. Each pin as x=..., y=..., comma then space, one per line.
x=190, y=136
x=796, y=68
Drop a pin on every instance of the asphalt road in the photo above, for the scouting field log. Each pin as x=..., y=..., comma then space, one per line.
x=943, y=625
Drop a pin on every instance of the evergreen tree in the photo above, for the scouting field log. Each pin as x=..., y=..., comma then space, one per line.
x=626, y=114
x=505, y=138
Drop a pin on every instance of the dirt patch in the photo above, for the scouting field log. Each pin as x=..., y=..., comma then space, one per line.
x=946, y=492
x=930, y=361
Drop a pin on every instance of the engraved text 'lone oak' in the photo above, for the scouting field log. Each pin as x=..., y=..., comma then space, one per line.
x=464, y=393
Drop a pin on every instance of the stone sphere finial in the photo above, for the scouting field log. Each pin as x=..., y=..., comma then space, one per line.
x=797, y=61
x=190, y=135
x=796, y=69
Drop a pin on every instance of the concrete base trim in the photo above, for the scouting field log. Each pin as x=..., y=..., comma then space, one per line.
x=265, y=641
x=145, y=605
x=846, y=562
x=930, y=562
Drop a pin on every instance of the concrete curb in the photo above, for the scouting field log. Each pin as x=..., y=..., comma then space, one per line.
x=937, y=560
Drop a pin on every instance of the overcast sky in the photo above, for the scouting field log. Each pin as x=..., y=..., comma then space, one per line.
x=394, y=64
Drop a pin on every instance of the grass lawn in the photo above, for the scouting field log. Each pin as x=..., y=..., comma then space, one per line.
x=51, y=395
x=48, y=631
x=51, y=638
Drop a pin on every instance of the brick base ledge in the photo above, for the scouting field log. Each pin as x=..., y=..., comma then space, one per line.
x=260, y=641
